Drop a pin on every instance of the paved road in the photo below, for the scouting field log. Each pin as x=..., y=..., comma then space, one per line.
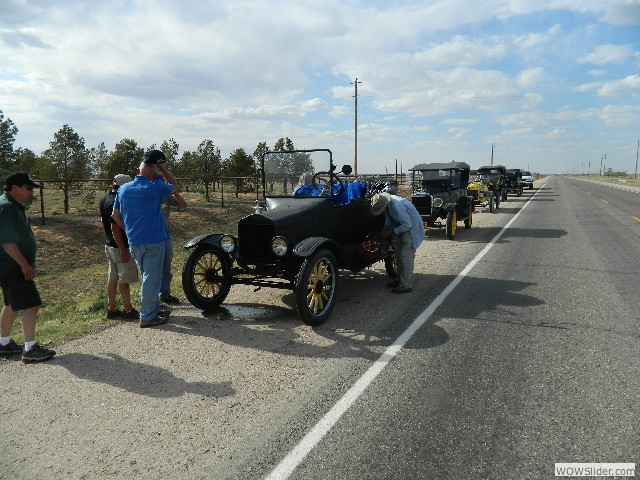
x=530, y=360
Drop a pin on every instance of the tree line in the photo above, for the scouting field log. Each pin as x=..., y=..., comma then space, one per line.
x=68, y=159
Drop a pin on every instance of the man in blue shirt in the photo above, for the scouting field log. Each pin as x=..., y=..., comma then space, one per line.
x=138, y=210
x=402, y=220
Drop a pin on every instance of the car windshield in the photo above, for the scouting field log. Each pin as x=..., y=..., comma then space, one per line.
x=526, y=174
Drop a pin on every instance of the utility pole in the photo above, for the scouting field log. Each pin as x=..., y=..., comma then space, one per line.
x=355, y=128
x=635, y=175
x=492, y=145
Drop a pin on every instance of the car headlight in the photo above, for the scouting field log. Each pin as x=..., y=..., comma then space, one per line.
x=437, y=202
x=279, y=246
x=227, y=243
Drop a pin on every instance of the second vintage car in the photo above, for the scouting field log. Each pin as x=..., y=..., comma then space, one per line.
x=294, y=242
x=439, y=193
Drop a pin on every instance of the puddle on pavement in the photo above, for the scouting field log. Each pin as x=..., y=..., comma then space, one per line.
x=244, y=312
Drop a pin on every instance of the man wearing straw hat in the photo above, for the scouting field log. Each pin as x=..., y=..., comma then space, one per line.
x=402, y=220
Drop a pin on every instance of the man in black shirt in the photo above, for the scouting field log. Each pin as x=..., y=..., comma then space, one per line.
x=122, y=267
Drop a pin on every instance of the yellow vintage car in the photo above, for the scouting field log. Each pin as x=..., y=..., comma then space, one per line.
x=479, y=191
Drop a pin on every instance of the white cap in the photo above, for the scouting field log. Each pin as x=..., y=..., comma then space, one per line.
x=121, y=179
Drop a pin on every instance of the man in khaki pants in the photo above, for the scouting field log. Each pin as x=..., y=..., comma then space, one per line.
x=402, y=220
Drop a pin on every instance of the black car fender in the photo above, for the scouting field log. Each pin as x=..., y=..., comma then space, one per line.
x=311, y=245
x=208, y=238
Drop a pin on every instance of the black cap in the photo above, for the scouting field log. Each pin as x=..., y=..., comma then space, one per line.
x=19, y=179
x=154, y=156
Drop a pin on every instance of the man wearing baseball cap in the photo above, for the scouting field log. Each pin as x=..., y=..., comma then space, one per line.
x=402, y=220
x=17, y=270
x=122, y=269
x=138, y=210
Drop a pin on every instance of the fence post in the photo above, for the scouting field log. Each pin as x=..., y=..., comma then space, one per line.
x=42, y=201
x=222, y=193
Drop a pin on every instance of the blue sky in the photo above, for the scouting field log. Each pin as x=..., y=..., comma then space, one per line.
x=553, y=84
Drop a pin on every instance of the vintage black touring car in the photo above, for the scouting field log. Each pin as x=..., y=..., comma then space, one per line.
x=294, y=242
x=513, y=181
x=439, y=192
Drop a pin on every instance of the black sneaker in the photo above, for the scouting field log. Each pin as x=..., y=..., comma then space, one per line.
x=11, y=348
x=169, y=299
x=132, y=314
x=37, y=354
x=113, y=313
x=154, y=322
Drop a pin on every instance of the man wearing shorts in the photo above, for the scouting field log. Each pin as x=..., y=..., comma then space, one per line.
x=17, y=270
x=122, y=268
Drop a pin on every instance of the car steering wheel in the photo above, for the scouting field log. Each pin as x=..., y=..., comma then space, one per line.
x=321, y=180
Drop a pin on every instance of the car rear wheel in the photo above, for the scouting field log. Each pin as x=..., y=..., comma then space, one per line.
x=452, y=223
x=315, y=287
x=205, y=277
x=492, y=202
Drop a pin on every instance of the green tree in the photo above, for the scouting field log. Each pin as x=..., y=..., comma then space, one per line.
x=170, y=149
x=98, y=158
x=207, y=166
x=240, y=165
x=8, y=132
x=125, y=158
x=26, y=161
x=68, y=160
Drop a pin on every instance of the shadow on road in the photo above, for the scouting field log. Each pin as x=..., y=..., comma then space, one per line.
x=352, y=331
x=135, y=377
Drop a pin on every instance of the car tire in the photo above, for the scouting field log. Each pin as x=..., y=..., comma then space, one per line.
x=315, y=287
x=492, y=202
x=205, y=277
x=452, y=224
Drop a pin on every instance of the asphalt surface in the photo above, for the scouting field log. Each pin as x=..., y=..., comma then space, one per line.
x=531, y=359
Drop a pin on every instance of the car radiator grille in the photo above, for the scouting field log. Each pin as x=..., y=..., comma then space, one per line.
x=422, y=204
x=255, y=243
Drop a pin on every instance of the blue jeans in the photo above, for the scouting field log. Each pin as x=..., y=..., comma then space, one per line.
x=149, y=259
x=165, y=284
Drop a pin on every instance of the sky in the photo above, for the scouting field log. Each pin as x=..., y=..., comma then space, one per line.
x=551, y=86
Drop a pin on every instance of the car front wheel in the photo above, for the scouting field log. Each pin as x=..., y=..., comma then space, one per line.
x=315, y=287
x=452, y=224
x=205, y=277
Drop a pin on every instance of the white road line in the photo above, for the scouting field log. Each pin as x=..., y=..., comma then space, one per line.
x=296, y=456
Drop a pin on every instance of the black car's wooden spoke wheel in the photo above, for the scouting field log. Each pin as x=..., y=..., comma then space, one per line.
x=315, y=287
x=205, y=278
x=452, y=223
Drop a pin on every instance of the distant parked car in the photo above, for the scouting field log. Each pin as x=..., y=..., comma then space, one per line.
x=527, y=179
x=513, y=181
x=439, y=192
x=478, y=190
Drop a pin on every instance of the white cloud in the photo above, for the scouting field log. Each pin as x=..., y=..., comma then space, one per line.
x=608, y=54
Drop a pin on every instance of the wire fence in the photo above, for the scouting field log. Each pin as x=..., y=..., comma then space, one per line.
x=77, y=196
